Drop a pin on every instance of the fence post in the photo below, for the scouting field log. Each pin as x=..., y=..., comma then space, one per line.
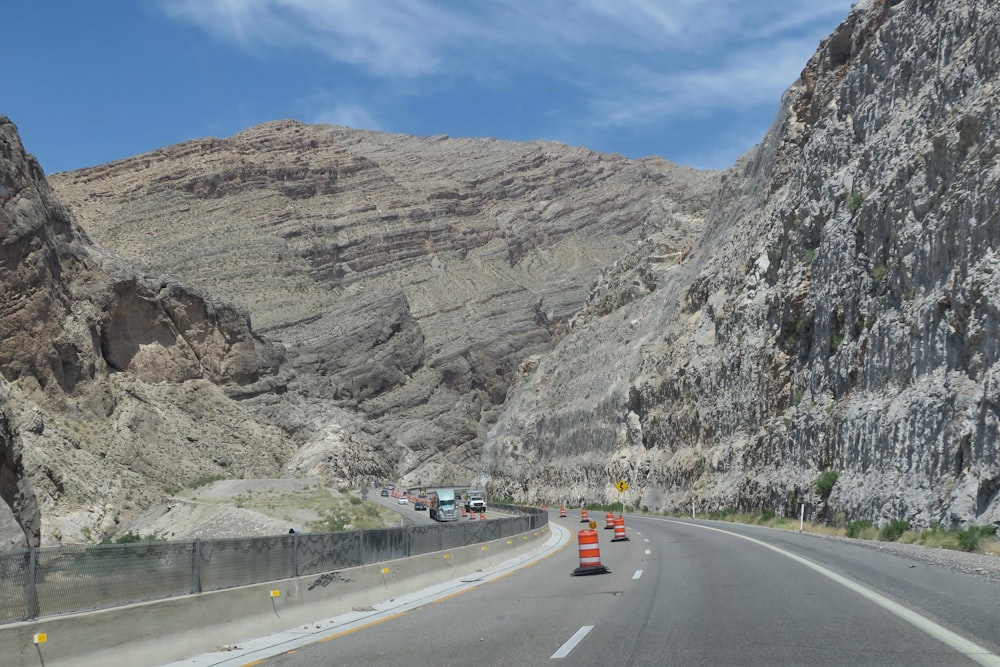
x=196, y=566
x=295, y=554
x=361, y=547
x=31, y=609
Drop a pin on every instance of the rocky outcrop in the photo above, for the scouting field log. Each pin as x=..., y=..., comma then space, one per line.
x=406, y=278
x=83, y=337
x=838, y=314
x=15, y=486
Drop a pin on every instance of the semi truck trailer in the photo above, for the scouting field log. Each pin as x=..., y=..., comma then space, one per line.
x=441, y=505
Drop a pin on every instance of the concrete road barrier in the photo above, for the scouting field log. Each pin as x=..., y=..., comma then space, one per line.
x=163, y=631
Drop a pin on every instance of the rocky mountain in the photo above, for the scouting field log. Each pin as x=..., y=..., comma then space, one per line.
x=97, y=361
x=839, y=314
x=545, y=318
x=407, y=280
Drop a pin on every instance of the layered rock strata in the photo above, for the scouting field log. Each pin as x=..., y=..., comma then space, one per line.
x=406, y=278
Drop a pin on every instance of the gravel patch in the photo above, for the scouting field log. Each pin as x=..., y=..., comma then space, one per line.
x=984, y=566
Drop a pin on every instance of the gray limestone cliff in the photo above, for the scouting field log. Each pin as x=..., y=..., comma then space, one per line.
x=839, y=313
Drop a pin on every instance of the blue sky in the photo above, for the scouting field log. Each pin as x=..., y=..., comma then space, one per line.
x=695, y=81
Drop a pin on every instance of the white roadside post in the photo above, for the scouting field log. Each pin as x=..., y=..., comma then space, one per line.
x=802, y=515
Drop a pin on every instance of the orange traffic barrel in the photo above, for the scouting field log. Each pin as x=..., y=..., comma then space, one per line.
x=463, y=511
x=590, y=554
x=609, y=521
x=583, y=516
x=562, y=512
x=620, y=535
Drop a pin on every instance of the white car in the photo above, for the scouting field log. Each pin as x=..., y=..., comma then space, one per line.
x=403, y=500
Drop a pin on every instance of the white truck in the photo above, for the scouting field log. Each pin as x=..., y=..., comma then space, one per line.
x=441, y=505
x=475, y=501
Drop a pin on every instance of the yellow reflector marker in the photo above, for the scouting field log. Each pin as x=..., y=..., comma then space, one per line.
x=385, y=570
x=276, y=593
x=41, y=637
x=447, y=556
x=484, y=547
x=510, y=542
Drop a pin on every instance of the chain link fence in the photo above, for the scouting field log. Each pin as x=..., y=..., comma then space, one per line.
x=60, y=580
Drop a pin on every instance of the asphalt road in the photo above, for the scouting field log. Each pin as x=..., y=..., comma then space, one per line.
x=692, y=593
x=414, y=517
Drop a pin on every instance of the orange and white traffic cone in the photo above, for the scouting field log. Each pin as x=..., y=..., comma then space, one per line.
x=482, y=516
x=620, y=535
x=463, y=512
x=590, y=554
x=562, y=512
x=609, y=521
x=583, y=516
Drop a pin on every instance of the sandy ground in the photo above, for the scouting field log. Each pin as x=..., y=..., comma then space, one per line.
x=240, y=508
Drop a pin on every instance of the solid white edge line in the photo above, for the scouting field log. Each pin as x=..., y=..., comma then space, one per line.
x=968, y=648
x=638, y=573
x=571, y=643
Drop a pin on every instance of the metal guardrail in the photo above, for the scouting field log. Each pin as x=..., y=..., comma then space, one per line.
x=47, y=581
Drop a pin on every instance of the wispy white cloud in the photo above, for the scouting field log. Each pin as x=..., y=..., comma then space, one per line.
x=616, y=64
x=346, y=114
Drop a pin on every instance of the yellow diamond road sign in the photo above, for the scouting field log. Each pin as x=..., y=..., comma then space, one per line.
x=622, y=486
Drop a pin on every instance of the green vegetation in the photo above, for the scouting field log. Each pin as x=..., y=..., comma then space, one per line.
x=893, y=530
x=853, y=202
x=836, y=341
x=810, y=256
x=824, y=487
x=879, y=272
x=792, y=341
x=970, y=538
x=862, y=529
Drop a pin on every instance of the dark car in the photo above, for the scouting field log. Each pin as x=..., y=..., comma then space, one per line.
x=419, y=505
x=385, y=492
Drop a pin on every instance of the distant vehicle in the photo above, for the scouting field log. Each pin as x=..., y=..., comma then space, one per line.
x=475, y=501
x=402, y=501
x=385, y=492
x=419, y=505
x=391, y=487
x=441, y=505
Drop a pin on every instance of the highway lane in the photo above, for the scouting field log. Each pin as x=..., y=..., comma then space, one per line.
x=414, y=517
x=690, y=593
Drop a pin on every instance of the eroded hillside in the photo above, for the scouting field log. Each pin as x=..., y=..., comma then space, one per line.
x=110, y=379
x=838, y=315
x=407, y=279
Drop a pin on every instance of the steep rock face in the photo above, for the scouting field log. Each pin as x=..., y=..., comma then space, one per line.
x=838, y=314
x=83, y=338
x=15, y=487
x=406, y=278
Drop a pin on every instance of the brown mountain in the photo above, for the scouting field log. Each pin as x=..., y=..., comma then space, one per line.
x=88, y=350
x=406, y=279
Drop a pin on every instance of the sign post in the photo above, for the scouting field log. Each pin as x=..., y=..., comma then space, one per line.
x=622, y=487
